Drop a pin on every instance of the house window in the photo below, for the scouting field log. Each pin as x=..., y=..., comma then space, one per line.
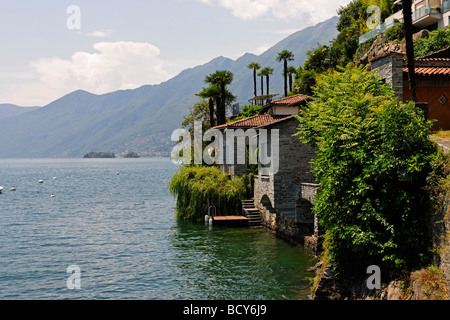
x=420, y=5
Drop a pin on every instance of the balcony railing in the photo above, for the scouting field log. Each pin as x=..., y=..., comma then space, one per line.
x=380, y=29
x=446, y=6
x=424, y=11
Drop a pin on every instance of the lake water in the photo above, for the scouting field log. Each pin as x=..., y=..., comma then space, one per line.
x=121, y=231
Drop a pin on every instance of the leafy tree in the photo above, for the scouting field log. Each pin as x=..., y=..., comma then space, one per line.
x=317, y=61
x=254, y=66
x=305, y=82
x=349, y=14
x=221, y=79
x=373, y=159
x=351, y=25
x=316, y=58
x=285, y=56
x=198, y=112
x=248, y=111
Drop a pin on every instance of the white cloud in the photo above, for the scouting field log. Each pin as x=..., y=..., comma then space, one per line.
x=100, y=34
x=260, y=50
x=115, y=66
x=316, y=11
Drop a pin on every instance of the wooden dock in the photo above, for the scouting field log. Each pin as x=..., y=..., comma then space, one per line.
x=250, y=217
x=230, y=221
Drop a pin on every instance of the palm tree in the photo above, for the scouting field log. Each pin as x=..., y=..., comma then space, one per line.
x=262, y=75
x=407, y=16
x=254, y=66
x=267, y=71
x=212, y=94
x=221, y=79
x=291, y=71
x=285, y=56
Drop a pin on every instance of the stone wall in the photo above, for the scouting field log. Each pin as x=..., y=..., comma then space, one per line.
x=295, y=167
x=280, y=197
x=390, y=67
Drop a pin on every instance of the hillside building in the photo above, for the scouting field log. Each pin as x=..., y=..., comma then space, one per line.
x=284, y=199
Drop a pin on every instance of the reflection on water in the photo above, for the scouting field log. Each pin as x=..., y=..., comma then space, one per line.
x=122, y=233
x=222, y=263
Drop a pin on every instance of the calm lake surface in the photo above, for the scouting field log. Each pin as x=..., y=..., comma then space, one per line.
x=121, y=231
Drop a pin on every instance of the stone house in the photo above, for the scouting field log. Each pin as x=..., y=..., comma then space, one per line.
x=284, y=198
x=433, y=81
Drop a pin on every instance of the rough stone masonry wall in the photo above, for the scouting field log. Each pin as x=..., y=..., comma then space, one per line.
x=390, y=68
x=295, y=167
x=284, y=189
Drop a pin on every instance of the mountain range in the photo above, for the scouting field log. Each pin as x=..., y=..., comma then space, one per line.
x=140, y=120
x=11, y=110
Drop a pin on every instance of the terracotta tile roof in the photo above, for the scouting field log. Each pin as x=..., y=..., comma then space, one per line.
x=431, y=67
x=291, y=100
x=276, y=121
x=253, y=122
x=431, y=71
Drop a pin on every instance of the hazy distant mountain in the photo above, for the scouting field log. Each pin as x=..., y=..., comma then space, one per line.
x=11, y=110
x=143, y=119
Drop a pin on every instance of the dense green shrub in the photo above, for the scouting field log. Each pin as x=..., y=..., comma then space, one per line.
x=194, y=186
x=395, y=33
x=438, y=39
x=373, y=159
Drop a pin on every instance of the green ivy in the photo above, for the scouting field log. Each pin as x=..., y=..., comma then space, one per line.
x=373, y=159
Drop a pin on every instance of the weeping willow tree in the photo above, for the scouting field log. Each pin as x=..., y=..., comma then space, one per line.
x=196, y=186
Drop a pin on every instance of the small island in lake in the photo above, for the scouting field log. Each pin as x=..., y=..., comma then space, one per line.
x=91, y=155
x=131, y=155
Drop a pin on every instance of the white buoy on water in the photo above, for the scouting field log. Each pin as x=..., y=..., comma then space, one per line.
x=54, y=178
x=41, y=181
x=13, y=189
x=52, y=196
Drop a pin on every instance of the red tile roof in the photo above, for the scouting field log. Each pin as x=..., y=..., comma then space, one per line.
x=253, y=122
x=291, y=100
x=431, y=67
x=431, y=71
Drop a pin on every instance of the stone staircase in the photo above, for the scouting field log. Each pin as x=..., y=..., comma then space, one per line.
x=252, y=213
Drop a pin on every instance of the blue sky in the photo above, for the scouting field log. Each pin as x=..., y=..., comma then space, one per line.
x=126, y=44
